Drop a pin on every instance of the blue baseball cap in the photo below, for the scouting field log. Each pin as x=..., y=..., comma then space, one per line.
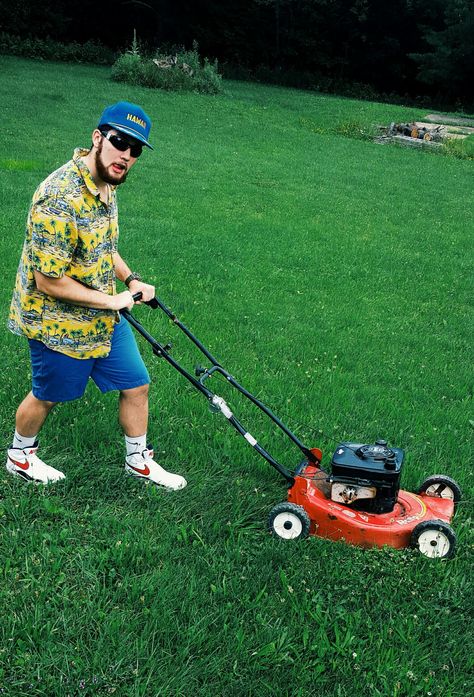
x=128, y=118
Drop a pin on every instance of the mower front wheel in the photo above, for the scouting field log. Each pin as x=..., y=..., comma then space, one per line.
x=289, y=521
x=434, y=539
x=441, y=486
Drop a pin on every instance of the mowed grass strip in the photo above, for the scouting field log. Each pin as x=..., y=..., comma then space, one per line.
x=332, y=276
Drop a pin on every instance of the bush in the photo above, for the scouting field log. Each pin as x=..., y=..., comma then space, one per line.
x=182, y=71
x=46, y=49
x=127, y=68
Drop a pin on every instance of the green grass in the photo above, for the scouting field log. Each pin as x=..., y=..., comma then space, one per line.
x=332, y=276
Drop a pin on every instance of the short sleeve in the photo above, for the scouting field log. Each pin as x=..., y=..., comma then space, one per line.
x=52, y=223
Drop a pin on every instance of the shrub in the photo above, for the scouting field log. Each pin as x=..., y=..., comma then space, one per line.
x=209, y=79
x=128, y=68
x=183, y=70
x=47, y=49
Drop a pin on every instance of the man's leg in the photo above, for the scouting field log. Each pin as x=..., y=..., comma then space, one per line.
x=56, y=377
x=22, y=459
x=133, y=411
x=31, y=415
x=133, y=417
x=123, y=370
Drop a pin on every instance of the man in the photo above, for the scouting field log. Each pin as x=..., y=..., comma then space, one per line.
x=65, y=300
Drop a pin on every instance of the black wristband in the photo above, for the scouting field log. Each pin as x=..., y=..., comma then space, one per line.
x=133, y=277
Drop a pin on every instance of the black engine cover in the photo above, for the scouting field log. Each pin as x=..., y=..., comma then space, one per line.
x=377, y=465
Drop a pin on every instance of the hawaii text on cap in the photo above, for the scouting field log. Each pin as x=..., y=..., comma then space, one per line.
x=128, y=118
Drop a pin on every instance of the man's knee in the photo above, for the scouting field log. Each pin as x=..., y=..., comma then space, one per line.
x=136, y=393
x=43, y=404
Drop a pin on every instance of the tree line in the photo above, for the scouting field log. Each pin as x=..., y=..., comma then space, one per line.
x=407, y=47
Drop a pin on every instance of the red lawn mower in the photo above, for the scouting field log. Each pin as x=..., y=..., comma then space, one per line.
x=359, y=501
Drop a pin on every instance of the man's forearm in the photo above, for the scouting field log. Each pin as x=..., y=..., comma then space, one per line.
x=122, y=271
x=70, y=291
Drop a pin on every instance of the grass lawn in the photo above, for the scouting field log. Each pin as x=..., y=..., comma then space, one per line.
x=332, y=276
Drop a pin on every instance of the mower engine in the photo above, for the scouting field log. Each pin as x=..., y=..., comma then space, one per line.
x=366, y=477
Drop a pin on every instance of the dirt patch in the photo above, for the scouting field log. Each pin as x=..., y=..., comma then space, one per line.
x=448, y=119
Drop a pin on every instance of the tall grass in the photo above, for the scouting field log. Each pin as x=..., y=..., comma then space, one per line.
x=329, y=274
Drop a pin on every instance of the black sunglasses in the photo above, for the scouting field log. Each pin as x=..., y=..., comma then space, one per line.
x=123, y=144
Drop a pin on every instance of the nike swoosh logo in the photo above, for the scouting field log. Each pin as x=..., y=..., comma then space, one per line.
x=145, y=471
x=22, y=465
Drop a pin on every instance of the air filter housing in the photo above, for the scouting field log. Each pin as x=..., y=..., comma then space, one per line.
x=361, y=467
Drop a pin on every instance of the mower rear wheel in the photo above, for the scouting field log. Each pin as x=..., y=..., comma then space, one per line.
x=289, y=521
x=441, y=486
x=434, y=539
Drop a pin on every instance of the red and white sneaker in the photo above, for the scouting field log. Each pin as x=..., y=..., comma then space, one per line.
x=26, y=464
x=143, y=465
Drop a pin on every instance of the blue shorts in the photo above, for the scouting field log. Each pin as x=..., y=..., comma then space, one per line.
x=60, y=378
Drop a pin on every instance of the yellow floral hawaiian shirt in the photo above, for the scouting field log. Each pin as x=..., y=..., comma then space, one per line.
x=71, y=232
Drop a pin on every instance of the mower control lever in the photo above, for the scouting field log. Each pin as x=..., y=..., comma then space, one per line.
x=205, y=373
x=153, y=303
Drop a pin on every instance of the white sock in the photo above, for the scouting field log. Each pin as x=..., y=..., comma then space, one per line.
x=135, y=444
x=23, y=442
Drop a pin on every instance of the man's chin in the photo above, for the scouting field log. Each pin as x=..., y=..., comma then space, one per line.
x=119, y=178
x=114, y=178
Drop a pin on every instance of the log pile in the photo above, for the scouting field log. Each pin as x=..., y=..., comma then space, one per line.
x=421, y=133
x=418, y=131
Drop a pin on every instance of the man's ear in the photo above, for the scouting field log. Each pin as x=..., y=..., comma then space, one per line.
x=96, y=137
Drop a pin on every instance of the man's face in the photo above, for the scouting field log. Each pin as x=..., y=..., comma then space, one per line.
x=113, y=165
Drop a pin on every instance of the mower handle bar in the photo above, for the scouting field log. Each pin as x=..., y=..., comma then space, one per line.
x=217, y=367
x=214, y=400
x=153, y=303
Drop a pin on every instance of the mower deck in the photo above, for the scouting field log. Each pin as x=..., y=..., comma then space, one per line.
x=336, y=521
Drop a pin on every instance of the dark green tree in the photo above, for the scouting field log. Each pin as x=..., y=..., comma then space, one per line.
x=447, y=64
x=28, y=18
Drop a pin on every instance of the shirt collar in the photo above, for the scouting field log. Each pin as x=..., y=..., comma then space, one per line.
x=85, y=172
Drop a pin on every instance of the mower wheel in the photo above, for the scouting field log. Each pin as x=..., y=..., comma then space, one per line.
x=434, y=539
x=441, y=486
x=289, y=521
